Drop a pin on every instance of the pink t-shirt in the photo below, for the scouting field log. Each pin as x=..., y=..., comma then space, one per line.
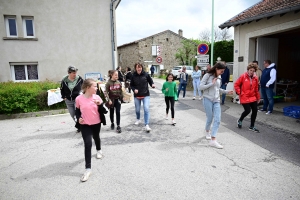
x=88, y=108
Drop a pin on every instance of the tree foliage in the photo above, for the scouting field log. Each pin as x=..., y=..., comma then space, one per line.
x=186, y=54
x=219, y=34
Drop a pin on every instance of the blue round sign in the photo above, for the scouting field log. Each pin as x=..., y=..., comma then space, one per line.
x=202, y=49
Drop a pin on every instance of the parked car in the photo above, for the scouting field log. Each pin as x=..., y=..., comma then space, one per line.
x=176, y=70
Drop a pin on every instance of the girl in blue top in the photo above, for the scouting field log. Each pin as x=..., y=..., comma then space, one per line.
x=170, y=91
x=196, y=82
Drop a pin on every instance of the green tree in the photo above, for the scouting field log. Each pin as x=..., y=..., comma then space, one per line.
x=186, y=54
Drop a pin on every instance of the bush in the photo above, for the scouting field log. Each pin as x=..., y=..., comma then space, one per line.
x=23, y=97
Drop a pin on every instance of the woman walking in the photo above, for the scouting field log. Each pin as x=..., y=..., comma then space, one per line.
x=70, y=89
x=114, y=92
x=183, y=79
x=88, y=115
x=139, y=85
x=196, y=82
x=170, y=91
x=247, y=87
x=210, y=84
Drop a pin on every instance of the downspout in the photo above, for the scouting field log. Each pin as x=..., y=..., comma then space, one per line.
x=112, y=28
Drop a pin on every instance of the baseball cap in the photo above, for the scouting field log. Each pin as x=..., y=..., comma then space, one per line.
x=72, y=69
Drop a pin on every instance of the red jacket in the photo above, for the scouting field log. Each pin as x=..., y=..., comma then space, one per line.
x=247, y=88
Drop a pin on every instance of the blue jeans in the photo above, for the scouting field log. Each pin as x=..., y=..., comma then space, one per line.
x=182, y=86
x=267, y=94
x=223, y=86
x=146, y=103
x=196, y=86
x=213, y=112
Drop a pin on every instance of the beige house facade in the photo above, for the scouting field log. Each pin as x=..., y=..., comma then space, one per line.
x=268, y=30
x=40, y=39
x=158, y=50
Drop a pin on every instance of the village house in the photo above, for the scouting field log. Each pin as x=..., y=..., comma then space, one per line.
x=158, y=50
x=40, y=39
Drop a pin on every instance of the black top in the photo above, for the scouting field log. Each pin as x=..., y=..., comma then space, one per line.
x=140, y=82
x=67, y=93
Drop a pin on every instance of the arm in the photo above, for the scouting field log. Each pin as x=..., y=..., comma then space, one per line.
x=63, y=95
x=228, y=77
x=257, y=91
x=175, y=88
x=272, y=77
x=107, y=89
x=203, y=84
x=77, y=110
x=132, y=84
x=197, y=74
x=163, y=89
x=150, y=81
x=237, y=85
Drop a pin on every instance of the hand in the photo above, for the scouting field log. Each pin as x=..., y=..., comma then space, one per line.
x=230, y=92
x=226, y=83
x=136, y=91
x=214, y=80
x=81, y=121
x=258, y=101
x=109, y=102
x=65, y=99
x=97, y=102
x=167, y=89
x=153, y=86
x=267, y=86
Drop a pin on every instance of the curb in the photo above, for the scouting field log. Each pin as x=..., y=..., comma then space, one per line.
x=34, y=114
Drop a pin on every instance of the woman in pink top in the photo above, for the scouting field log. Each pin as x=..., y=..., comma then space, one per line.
x=89, y=118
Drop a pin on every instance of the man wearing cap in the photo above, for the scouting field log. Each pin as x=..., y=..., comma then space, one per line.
x=70, y=89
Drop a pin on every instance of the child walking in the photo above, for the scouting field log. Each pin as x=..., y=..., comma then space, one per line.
x=114, y=92
x=89, y=119
x=170, y=91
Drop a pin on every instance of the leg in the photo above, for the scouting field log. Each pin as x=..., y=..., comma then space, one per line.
x=195, y=87
x=264, y=95
x=253, y=106
x=198, y=87
x=179, y=89
x=184, y=89
x=247, y=110
x=118, y=109
x=172, y=100
x=208, y=107
x=167, y=105
x=146, y=103
x=217, y=119
x=71, y=108
x=87, y=133
x=269, y=92
x=223, y=95
x=111, y=113
x=137, y=104
x=96, y=135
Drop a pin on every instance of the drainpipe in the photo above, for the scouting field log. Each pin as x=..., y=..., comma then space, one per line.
x=112, y=28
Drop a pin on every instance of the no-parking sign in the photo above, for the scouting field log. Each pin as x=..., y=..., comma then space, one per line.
x=202, y=49
x=158, y=59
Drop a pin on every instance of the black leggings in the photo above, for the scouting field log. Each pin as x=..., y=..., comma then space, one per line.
x=87, y=132
x=248, y=107
x=167, y=100
x=117, y=105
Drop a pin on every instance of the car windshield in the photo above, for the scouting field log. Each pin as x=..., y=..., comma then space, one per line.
x=176, y=68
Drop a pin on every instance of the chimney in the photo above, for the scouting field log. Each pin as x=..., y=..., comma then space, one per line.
x=180, y=32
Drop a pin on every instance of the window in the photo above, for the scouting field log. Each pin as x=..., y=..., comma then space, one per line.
x=27, y=72
x=11, y=26
x=28, y=27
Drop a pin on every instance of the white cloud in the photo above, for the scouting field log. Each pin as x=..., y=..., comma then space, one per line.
x=137, y=19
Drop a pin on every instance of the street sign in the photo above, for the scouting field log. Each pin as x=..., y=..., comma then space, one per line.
x=158, y=50
x=202, y=49
x=158, y=59
x=202, y=60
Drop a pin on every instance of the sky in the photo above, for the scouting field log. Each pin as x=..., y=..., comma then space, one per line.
x=137, y=19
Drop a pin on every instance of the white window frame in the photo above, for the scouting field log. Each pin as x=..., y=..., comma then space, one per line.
x=7, y=26
x=25, y=29
x=12, y=68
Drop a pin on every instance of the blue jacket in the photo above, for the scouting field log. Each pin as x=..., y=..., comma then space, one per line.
x=225, y=76
x=266, y=76
x=196, y=74
x=181, y=78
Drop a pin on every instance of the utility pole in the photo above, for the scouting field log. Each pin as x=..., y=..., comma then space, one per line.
x=212, y=36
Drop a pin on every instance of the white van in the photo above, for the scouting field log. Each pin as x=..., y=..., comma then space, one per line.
x=176, y=70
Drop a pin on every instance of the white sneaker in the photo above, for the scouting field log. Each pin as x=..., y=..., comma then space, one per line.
x=268, y=113
x=208, y=136
x=214, y=143
x=166, y=117
x=194, y=98
x=86, y=175
x=99, y=154
x=173, y=121
x=147, y=128
x=183, y=97
x=200, y=98
x=137, y=122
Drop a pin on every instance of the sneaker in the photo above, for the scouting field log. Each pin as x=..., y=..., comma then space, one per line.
x=147, y=128
x=183, y=97
x=78, y=131
x=112, y=126
x=119, y=129
x=253, y=129
x=268, y=113
x=86, y=175
x=214, y=143
x=239, y=123
x=173, y=121
x=208, y=136
x=137, y=122
x=200, y=98
x=166, y=117
x=261, y=110
x=194, y=98
x=99, y=154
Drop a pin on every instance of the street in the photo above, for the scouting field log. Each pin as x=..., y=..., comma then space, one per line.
x=43, y=158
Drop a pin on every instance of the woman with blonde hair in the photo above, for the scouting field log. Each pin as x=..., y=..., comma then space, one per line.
x=88, y=115
x=247, y=87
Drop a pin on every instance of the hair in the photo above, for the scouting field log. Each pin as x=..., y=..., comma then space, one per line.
x=197, y=67
x=268, y=61
x=183, y=67
x=255, y=61
x=138, y=64
x=87, y=83
x=252, y=66
x=170, y=74
x=111, y=73
x=118, y=68
x=72, y=69
x=213, y=70
x=128, y=69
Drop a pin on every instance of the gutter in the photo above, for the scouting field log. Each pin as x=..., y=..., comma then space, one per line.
x=112, y=28
x=283, y=11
